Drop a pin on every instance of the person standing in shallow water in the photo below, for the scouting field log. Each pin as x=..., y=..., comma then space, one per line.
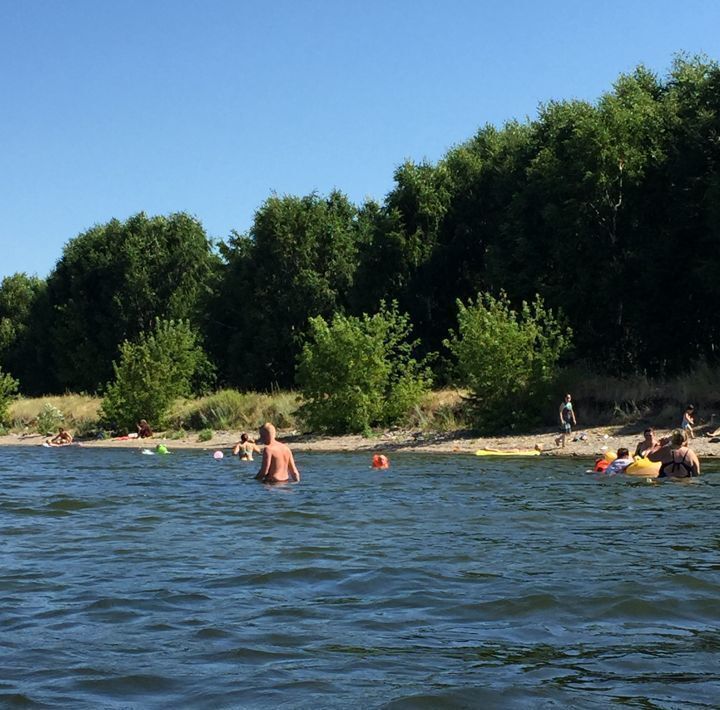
x=567, y=420
x=245, y=448
x=278, y=464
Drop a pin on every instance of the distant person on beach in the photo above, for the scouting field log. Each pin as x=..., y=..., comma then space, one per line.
x=567, y=420
x=649, y=442
x=688, y=421
x=144, y=430
x=278, y=464
x=677, y=460
x=245, y=448
x=620, y=463
x=62, y=437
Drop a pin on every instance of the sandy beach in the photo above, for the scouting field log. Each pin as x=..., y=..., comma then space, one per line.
x=595, y=441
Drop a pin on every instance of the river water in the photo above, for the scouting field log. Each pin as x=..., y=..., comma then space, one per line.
x=135, y=581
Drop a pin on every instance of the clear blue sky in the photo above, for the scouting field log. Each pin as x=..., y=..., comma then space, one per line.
x=111, y=107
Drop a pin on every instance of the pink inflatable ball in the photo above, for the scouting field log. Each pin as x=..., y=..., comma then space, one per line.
x=218, y=455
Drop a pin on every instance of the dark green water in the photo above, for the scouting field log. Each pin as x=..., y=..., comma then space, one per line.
x=131, y=581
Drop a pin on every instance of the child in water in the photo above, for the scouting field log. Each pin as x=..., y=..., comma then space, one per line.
x=619, y=465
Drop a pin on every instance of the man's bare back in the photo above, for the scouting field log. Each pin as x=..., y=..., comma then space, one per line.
x=278, y=464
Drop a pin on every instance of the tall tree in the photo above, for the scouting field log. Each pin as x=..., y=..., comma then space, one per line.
x=113, y=281
x=298, y=260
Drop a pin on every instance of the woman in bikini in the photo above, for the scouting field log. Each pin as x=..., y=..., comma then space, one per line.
x=676, y=459
x=245, y=448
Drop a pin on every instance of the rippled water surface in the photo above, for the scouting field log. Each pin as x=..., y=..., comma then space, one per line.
x=131, y=581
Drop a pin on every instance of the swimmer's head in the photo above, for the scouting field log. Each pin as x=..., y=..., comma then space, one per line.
x=243, y=437
x=267, y=433
x=678, y=437
x=622, y=453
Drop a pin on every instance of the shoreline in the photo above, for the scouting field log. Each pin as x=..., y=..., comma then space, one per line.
x=401, y=441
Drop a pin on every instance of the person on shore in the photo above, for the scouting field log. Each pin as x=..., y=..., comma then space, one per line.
x=567, y=420
x=676, y=459
x=278, y=464
x=245, y=448
x=144, y=430
x=61, y=438
x=649, y=442
x=621, y=462
x=688, y=421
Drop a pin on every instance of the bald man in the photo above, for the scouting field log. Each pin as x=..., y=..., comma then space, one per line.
x=278, y=464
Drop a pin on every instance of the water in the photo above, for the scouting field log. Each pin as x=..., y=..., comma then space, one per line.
x=132, y=581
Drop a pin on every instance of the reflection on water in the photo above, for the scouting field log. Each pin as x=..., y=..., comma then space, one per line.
x=139, y=581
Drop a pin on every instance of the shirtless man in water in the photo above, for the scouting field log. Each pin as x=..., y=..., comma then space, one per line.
x=278, y=464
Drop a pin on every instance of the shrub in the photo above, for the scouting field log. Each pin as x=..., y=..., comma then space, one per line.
x=8, y=392
x=355, y=373
x=49, y=419
x=205, y=435
x=508, y=359
x=154, y=371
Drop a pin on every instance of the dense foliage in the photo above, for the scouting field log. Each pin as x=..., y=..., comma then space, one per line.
x=110, y=285
x=610, y=211
x=508, y=359
x=162, y=365
x=355, y=373
x=8, y=392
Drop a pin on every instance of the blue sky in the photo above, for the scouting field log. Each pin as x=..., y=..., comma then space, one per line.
x=111, y=107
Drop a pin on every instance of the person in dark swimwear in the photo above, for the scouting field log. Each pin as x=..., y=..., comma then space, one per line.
x=649, y=442
x=567, y=420
x=676, y=459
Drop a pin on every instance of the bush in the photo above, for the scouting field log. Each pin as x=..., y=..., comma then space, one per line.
x=160, y=367
x=205, y=435
x=508, y=359
x=49, y=419
x=8, y=392
x=355, y=373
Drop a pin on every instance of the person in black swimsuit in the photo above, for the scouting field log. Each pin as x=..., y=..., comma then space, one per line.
x=676, y=459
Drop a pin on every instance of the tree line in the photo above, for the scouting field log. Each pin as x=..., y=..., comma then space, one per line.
x=608, y=211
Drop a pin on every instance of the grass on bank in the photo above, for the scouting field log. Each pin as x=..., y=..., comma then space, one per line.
x=600, y=400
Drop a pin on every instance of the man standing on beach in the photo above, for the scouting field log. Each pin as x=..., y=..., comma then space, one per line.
x=278, y=464
x=567, y=419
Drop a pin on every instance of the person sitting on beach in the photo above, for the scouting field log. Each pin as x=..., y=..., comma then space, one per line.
x=278, y=464
x=647, y=443
x=621, y=462
x=677, y=460
x=144, y=430
x=245, y=448
x=567, y=419
x=688, y=421
x=61, y=438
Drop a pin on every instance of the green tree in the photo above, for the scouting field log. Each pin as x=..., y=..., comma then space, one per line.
x=161, y=366
x=8, y=392
x=507, y=358
x=355, y=373
x=113, y=281
x=297, y=261
x=21, y=331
